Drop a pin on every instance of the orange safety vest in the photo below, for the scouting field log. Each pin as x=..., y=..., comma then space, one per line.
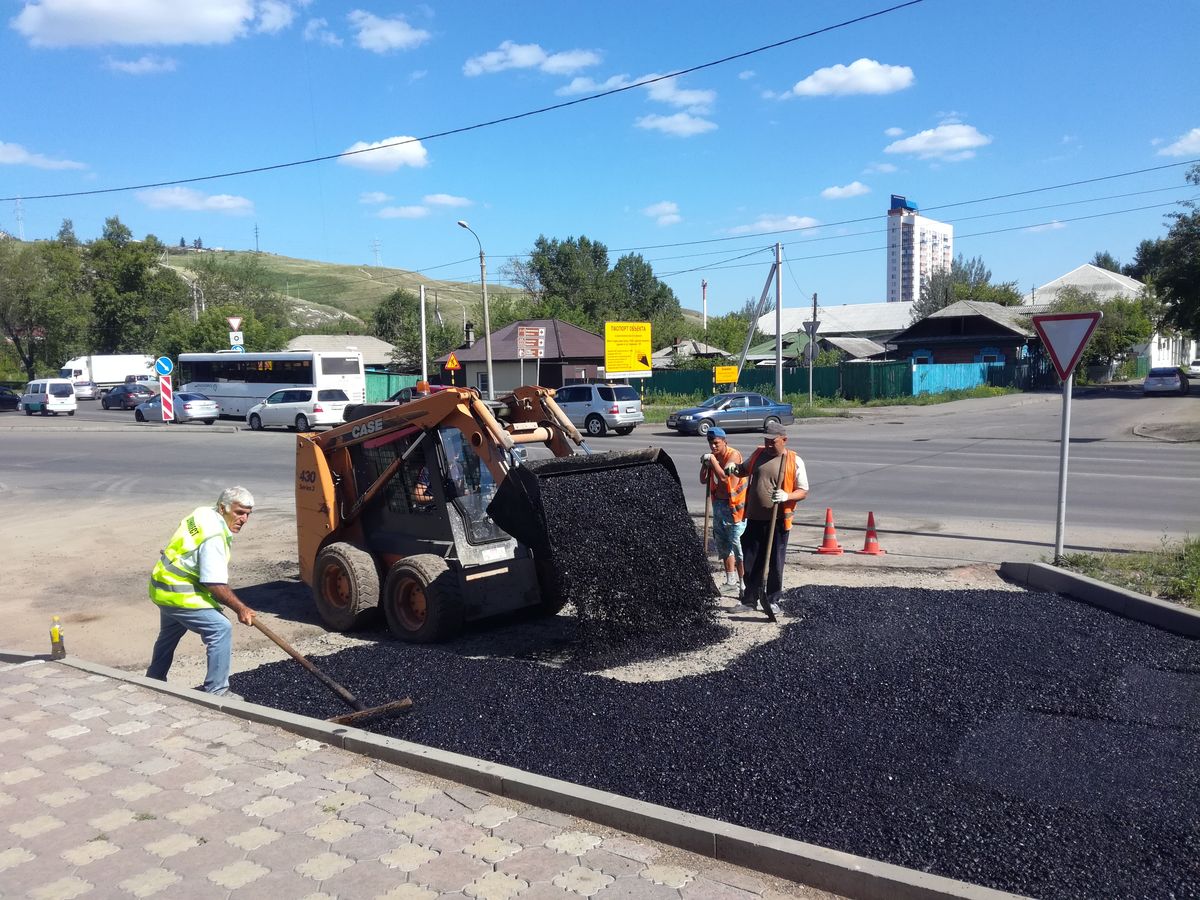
x=730, y=488
x=787, y=482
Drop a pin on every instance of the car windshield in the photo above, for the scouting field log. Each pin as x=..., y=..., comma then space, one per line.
x=714, y=402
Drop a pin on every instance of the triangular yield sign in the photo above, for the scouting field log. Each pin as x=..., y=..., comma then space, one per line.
x=1065, y=335
x=235, y=323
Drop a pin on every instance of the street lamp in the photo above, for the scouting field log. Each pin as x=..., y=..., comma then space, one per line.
x=487, y=319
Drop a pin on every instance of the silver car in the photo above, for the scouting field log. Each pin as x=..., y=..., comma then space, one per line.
x=596, y=408
x=189, y=407
x=1165, y=380
x=86, y=390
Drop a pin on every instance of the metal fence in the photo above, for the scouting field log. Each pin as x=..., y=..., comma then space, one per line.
x=381, y=385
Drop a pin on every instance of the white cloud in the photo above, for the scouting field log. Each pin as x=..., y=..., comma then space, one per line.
x=147, y=65
x=853, y=189
x=893, y=132
x=746, y=75
x=511, y=55
x=16, y=155
x=1187, y=145
x=668, y=91
x=664, y=213
x=387, y=155
x=384, y=35
x=776, y=223
x=403, y=212
x=372, y=198
x=880, y=169
x=680, y=124
x=948, y=142
x=274, y=15
x=585, y=85
x=1049, y=226
x=73, y=23
x=863, y=76
x=194, y=201
x=318, y=30
x=446, y=200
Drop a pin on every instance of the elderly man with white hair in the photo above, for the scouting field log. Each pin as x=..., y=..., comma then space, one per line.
x=190, y=584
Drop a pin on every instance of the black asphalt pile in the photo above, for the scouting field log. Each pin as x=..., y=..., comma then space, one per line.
x=1021, y=741
x=620, y=546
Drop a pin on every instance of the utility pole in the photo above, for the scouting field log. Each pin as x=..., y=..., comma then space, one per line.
x=704, y=307
x=812, y=352
x=779, y=322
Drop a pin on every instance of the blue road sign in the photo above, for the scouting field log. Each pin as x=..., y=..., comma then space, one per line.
x=163, y=365
x=238, y=347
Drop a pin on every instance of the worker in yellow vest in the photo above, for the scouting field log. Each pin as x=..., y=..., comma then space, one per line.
x=190, y=584
x=777, y=477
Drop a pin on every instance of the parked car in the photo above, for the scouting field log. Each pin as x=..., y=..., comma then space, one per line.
x=1165, y=380
x=150, y=381
x=9, y=399
x=741, y=411
x=1193, y=369
x=405, y=395
x=126, y=396
x=86, y=390
x=598, y=407
x=49, y=396
x=298, y=408
x=189, y=407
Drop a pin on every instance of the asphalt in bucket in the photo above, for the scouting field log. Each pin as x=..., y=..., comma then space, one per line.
x=1021, y=741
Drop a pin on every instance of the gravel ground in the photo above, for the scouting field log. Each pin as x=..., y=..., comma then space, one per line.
x=1016, y=740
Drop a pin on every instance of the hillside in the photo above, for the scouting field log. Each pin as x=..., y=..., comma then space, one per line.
x=320, y=291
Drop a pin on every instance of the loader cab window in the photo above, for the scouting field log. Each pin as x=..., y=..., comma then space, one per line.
x=469, y=486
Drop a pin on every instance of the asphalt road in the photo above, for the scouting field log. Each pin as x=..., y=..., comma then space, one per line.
x=975, y=479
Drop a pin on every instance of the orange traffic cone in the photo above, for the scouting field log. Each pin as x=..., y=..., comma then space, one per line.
x=871, y=544
x=830, y=546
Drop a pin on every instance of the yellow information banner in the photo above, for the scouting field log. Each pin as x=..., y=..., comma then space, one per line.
x=627, y=349
x=725, y=375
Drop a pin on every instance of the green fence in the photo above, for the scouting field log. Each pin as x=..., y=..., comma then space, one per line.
x=826, y=381
x=876, y=380
x=381, y=385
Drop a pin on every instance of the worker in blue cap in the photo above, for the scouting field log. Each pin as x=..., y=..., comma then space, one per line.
x=728, y=494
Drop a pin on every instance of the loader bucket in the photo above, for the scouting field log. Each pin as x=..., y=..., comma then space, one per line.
x=517, y=506
x=612, y=536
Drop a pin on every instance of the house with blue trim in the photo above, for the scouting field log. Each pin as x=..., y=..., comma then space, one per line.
x=968, y=331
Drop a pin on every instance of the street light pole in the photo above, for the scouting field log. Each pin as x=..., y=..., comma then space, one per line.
x=487, y=319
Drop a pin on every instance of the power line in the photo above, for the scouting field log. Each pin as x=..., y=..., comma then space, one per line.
x=500, y=121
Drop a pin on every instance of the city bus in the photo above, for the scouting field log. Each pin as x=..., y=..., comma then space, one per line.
x=237, y=381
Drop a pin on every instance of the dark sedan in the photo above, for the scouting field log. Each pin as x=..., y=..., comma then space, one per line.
x=741, y=411
x=9, y=399
x=126, y=396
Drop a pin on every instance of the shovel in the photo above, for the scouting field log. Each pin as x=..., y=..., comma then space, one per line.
x=361, y=713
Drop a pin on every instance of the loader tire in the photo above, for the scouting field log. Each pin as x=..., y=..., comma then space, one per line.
x=345, y=587
x=422, y=600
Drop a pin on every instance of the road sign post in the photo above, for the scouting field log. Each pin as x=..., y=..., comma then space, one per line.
x=1064, y=335
x=531, y=342
x=452, y=366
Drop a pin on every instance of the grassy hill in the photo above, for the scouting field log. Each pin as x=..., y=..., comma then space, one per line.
x=321, y=292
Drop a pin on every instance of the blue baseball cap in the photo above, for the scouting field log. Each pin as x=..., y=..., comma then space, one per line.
x=715, y=433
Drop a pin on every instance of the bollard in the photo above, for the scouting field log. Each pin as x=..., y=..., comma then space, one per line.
x=58, y=649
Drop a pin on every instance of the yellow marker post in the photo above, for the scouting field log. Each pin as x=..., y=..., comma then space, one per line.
x=58, y=649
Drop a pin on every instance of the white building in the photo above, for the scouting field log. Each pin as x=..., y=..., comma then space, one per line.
x=917, y=247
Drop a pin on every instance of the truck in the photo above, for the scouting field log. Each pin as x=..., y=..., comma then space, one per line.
x=107, y=370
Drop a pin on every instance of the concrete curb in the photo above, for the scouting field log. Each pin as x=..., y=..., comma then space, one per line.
x=820, y=867
x=1130, y=604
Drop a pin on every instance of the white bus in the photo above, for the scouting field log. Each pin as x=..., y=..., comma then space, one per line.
x=237, y=381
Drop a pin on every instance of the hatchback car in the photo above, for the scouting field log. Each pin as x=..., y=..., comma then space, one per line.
x=9, y=399
x=1193, y=369
x=86, y=390
x=1165, y=380
x=734, y=412
x=298, y=408
x=598, y=407
x=126, y=396
x=189, y=407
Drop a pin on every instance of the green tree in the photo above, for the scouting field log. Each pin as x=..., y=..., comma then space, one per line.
x=1177, y=273
x=242, y=283
x=1127, y=321
x=43, y=311
x=132, y=296
x=115, y=232
x=66, y=234
x=1106, y=260
x=968, y=279
x=210, y=332
x=398, y=321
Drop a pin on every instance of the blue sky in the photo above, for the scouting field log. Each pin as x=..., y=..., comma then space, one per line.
x=945, y=101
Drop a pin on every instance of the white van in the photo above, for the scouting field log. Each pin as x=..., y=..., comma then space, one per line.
x=49, y=395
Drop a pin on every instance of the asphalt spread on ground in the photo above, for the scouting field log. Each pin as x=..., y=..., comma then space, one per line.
x=1021, y=741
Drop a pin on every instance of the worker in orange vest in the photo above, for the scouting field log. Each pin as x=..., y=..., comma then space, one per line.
x=728, y=494
x=777, y=477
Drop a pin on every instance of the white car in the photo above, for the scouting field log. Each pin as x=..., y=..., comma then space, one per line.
x=1193, y=369
x=298, y=408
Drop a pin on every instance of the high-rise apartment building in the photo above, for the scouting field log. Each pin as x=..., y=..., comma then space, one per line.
x=917, y=246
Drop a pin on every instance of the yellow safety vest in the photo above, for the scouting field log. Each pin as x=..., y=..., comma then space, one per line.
x=172, y=583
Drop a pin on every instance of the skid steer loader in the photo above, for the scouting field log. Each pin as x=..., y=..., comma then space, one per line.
x=431, y=511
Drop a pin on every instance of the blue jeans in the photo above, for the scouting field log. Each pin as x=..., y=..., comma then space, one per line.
x=726, y=533
x=214, y=629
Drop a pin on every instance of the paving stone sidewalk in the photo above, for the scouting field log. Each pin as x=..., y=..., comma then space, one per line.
x=109, y=789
